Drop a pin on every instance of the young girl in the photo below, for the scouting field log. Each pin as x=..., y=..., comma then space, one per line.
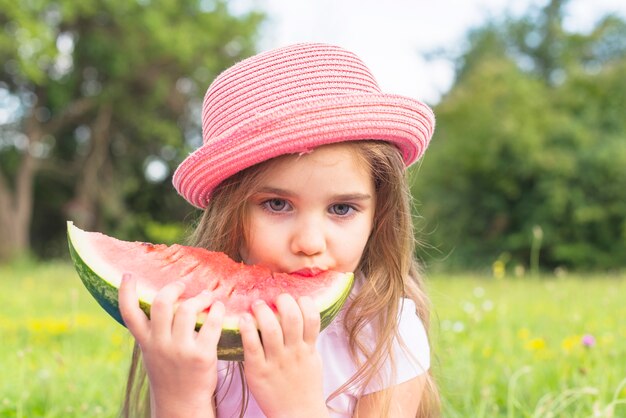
x=302, y=170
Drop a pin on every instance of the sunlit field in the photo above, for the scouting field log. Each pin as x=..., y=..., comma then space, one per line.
x=529, y=347
x=513, y=347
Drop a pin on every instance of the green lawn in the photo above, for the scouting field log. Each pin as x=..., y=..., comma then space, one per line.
x=514, y=347
x=509, y=348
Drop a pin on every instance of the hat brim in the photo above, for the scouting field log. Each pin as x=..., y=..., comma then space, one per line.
x=400, y=120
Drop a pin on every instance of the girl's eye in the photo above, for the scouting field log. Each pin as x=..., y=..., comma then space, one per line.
x=276, y=205
x=341, y=209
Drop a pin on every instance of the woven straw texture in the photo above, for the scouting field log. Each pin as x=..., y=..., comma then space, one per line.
x=292, y=100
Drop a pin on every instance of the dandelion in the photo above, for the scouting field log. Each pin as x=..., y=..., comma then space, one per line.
x=498, y=269
x=117, y=340
x=536, y=344
x=48, y=325
x=479, y=292
x=468, y=307
x=487, y=351
x=44, y=374
x=446, y=325
x=523, y=333
x=458, y=327
x=588, y=340
x=570, y=343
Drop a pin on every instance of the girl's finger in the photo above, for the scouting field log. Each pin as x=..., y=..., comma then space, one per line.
x=209, y=334
x=311, y=318
x=186, y=316
x=291, y=320
x=253, y=352
x=271, y=332
x=162, y=310
x=134, y=318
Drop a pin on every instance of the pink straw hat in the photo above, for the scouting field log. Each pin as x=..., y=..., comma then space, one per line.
x=292, y=100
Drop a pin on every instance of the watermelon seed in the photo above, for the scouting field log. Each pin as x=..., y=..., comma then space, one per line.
x=148, y=246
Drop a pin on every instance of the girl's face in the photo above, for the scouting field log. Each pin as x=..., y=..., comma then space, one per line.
x=311, y=213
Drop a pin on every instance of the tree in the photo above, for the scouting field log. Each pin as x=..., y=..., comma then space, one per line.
x=90, y=91
x=531, y=138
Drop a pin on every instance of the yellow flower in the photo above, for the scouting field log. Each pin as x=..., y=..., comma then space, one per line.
x=118, y=340
x=498, y=269
x=607, y=339
x=570, y=343
x=523, y=333
x=7, y=325
x=535, y=344
x=487, y=351
x=52, y=326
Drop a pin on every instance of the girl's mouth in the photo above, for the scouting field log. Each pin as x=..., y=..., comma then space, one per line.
x=308, y=272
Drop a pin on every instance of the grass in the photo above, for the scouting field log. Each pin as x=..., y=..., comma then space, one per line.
x=530, y=347
x=503, y=348
x=61, y=355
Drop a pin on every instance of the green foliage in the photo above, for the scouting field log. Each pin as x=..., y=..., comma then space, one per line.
x=169, y=233
x=524, y=142
x=103, y=87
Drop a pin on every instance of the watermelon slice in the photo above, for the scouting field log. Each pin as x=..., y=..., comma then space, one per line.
x=101, y=260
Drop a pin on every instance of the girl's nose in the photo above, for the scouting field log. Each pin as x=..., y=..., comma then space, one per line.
x=308, y=238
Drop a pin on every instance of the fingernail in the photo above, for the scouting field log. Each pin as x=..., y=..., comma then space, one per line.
x=125, y=276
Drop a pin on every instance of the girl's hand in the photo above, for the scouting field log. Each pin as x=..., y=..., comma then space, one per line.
x=180, y=362
x=284, y=373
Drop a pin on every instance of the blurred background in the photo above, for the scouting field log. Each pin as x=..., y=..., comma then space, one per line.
x=99, y=102
x=522, y=191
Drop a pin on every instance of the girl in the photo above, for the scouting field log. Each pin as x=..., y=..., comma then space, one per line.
x=302, y=170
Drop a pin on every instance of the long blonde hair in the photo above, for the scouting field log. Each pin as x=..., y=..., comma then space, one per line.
x=388, y=263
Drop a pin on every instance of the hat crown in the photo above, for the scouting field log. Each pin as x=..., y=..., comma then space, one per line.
x=281, y=77
x=291, y=101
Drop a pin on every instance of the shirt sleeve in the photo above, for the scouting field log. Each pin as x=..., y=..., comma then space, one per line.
x=411, y=352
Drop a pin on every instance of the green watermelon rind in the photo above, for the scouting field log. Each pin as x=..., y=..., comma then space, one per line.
x=229, y=346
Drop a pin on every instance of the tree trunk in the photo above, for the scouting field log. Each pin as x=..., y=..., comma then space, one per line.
x=17, y=202
x=85, y=208
x=7, y=226
x=16, y=206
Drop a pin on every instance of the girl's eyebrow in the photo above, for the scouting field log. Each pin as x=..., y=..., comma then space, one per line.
x=352, y=196
x=288, y=193
x=276, y=191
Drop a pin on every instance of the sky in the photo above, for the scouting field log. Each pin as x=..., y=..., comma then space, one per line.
x=391, y=35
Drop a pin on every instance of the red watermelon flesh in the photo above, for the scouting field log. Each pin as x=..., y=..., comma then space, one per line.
x=102, y=260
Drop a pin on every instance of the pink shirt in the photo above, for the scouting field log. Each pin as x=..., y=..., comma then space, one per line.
x=332, y=345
